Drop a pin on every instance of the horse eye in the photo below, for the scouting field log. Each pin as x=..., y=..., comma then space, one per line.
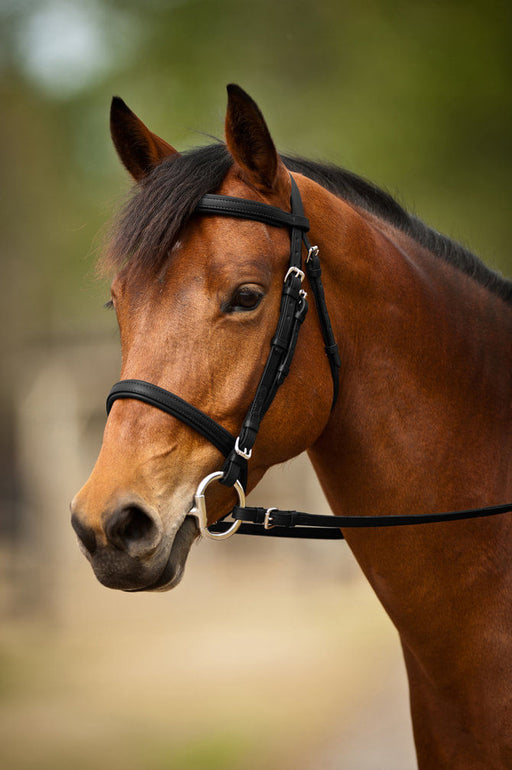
x=244, y=298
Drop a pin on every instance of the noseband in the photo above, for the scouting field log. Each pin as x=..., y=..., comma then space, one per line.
x=238, y=450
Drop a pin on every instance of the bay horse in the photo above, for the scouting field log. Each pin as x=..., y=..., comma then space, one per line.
x=422, y=421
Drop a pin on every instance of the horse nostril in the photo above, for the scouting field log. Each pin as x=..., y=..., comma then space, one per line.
x=131, y=529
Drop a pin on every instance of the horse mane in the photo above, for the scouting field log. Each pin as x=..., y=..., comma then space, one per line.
x=149, y=224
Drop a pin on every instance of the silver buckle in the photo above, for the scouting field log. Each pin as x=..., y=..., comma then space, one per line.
x=313, y=252
x=268, y=516
x=294, y=270
x=245, y=453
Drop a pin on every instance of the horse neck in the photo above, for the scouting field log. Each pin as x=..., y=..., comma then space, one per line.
x=422, y=423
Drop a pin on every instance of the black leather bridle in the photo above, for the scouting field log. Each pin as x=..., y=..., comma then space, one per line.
x=238, y=450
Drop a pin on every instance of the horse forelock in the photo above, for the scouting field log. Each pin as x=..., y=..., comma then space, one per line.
x=148, y=225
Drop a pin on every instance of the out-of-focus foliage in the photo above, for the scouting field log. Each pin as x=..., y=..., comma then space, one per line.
x=414, y=95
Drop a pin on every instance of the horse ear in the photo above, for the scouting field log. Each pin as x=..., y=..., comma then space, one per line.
x=138, y=148
x=249, y=142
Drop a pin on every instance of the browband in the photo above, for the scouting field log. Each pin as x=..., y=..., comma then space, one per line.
x=227, y=206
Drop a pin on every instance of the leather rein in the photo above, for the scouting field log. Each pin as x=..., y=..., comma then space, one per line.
x=237, y=450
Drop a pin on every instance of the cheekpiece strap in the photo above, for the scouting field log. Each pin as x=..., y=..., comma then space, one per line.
x=291, y=315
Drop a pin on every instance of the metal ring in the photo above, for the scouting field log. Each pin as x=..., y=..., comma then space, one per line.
x=200, y=507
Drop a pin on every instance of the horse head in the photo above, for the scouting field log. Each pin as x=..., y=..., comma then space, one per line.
x=197, y=301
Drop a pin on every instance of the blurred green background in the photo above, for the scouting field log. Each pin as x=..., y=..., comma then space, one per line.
x=415, y=96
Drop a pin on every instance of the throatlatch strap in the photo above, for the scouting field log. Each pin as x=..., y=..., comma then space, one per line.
x=314, y=272
x=175, y=406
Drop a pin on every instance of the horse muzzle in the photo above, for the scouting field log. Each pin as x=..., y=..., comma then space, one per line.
x=131, y=552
